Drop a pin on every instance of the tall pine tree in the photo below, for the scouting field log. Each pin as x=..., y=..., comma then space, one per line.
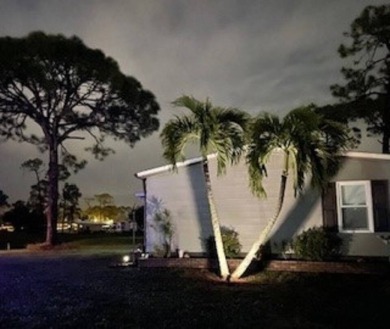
x=367, y=88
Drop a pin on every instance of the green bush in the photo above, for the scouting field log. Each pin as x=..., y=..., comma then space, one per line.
x=230, y=240
x=164, y=225
x=317, y=244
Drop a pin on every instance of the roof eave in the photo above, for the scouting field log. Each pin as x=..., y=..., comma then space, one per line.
x=154, y=171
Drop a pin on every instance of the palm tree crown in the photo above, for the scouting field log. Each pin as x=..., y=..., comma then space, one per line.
x=311, y=144
x=219, y=130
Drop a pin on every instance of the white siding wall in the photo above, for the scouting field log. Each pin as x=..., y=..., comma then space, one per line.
x=184, y=194
x=248, y=215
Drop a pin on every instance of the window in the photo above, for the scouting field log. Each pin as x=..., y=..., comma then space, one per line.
x=354, y=203
x=356, y=206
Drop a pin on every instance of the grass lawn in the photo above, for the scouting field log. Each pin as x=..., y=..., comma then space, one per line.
x=18, y=240
x=74, y=291
x=98, y=240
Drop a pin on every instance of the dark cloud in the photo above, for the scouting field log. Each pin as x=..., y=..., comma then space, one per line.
x=255, y=55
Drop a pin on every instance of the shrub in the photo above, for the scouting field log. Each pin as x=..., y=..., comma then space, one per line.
x=161, y=251
x=164, y=225
x=317, y=244
x=230, y=241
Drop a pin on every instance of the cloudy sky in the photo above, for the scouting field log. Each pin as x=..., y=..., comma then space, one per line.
x=264, y=55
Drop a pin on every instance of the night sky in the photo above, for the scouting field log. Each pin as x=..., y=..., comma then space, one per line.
x=254, y=55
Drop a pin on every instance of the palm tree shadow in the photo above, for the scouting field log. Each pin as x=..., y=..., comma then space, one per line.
x=299, y=215
x=296, y=217
x=198, y=186
x=154, y=205
x=199, y=194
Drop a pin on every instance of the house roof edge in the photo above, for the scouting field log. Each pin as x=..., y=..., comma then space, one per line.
x=367, y=155
x=157, y=170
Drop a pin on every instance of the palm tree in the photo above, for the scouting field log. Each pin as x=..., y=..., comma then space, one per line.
x=216, y=130
x=311, y=146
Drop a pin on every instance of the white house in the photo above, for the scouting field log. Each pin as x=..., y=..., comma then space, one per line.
x=356, y=205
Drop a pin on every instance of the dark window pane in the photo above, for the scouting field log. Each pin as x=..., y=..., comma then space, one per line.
x=355, y=218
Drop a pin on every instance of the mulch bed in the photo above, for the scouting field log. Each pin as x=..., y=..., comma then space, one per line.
x=358, y=267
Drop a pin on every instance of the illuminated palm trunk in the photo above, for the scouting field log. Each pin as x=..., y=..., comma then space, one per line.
x=261, y=240
x=223, y=266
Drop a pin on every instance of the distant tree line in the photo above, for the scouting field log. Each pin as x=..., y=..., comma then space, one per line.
x=29, y=215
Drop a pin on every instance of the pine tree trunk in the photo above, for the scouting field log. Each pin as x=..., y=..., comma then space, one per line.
x=52, y=202
x=386, y=139
x=386, y=119
x=64, y=211
x=223, y=266
x=261, y=240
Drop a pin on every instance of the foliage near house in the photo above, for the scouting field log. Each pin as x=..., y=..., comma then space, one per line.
x=164, y=226
x=317, y=244
x=231, y=243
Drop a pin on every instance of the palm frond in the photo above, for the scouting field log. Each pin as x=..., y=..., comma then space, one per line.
x=234, y=116
x=312, y=146
x=221, y=130
x=188, y=102
x=176, y=134
x=256, y=174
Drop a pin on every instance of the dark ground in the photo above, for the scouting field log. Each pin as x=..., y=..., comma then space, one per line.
x=75, y=291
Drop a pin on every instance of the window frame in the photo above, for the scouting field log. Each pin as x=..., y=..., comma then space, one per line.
x=368, y=206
